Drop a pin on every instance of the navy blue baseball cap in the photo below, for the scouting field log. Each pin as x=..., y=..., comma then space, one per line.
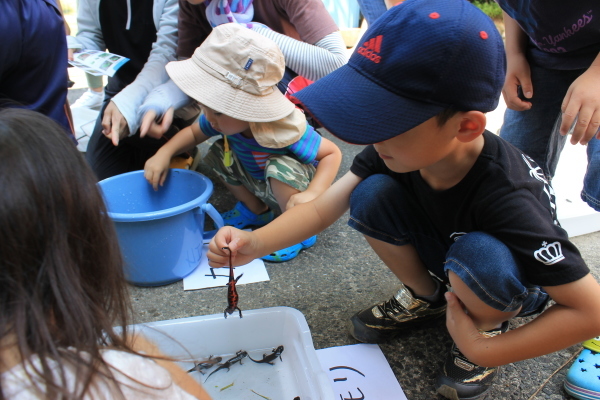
x=416, y=60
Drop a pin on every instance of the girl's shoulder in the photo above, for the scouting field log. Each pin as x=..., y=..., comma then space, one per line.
x=137, y=377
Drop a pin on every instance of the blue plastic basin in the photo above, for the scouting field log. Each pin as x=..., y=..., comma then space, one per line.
x=160, y=232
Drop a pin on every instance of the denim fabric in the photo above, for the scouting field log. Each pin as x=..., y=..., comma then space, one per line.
x=531, y=130
x=591, y=183
x=372, y=9
x=489, y=269
x=381, y=208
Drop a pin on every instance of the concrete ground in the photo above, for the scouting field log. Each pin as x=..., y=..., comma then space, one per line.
x=341, y=275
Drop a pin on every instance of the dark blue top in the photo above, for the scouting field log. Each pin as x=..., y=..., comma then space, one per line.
x=562, y=34
x=33, y=50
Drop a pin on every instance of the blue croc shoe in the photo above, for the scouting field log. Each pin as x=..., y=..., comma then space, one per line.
x=583, y=378
x=240, y=217
x=290, y=252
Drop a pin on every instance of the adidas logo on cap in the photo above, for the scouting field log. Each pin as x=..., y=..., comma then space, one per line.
x=370, y=48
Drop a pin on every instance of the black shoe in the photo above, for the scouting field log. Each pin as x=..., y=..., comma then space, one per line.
x=460, y=379
x=403, y=311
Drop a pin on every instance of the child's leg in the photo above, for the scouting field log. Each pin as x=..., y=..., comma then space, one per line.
x=397, y=228
x=530, y=130
x=253, y=202
x=282, y=192
x=488, y=280
x=484, y=316
x=405, y=263
x=241, y=193
x=591, y=183
x=286, y=177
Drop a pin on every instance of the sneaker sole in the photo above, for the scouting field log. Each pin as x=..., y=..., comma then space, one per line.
x=364, y=334
x=580, y=392
x=450, y=393
x=444, y=388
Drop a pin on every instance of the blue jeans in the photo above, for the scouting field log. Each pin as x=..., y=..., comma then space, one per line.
x=372, y=9
x=382, y=208
x=531, y=130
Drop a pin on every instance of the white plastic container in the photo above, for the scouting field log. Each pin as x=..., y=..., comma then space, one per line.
x=298, y=374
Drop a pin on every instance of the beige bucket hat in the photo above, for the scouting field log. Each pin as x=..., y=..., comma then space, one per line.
x=235, y=71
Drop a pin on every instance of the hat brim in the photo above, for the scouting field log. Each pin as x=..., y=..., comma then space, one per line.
x=222, y=97
x=360, y=111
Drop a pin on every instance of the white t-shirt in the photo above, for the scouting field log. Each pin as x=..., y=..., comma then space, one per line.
x=154, y=381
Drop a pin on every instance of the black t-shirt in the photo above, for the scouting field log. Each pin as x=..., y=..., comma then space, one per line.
x=506, y=195
x=129, y=33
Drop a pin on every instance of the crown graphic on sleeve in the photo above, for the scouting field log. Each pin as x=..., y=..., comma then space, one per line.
x=549, y=253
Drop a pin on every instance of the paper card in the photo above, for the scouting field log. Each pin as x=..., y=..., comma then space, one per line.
x=360, y=371
x=97, y=62
x=205, y=276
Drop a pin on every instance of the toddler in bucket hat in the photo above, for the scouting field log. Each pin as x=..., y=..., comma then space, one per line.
x=439, y=199
x=269, y=157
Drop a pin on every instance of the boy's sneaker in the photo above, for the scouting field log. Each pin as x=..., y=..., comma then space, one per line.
x=90, y=99
x=460, y=379
x=240, y=217
x=403, y=311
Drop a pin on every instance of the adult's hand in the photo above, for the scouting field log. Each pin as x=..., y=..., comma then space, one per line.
x=156, y=127
x=114, y=125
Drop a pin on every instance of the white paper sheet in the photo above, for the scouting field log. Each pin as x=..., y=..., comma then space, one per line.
x=206, y=277
x=360, y=371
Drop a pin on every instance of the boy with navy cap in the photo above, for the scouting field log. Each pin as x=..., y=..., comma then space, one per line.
x=439, y=199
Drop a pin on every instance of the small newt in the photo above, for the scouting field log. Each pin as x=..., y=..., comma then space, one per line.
x=227, y=364
x=271, y=357
x=200, y=366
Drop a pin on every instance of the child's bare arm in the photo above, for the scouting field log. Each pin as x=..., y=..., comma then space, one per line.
x=518, y=72
x=293, y=226
x=156, y=168
x=329, y=157
x=574, y=318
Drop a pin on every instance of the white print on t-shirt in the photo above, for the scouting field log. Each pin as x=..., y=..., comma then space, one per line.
x=457, y=235
x=567, y=31
x=536, y=172
x=549, y=253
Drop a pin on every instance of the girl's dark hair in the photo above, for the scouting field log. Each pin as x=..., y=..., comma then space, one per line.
x=61, y=273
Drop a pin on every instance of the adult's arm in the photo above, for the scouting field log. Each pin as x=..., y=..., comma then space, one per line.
x=311, y=61
x=89, y=33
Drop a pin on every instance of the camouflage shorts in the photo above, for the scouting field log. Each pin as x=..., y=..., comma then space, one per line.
x=284, y=168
